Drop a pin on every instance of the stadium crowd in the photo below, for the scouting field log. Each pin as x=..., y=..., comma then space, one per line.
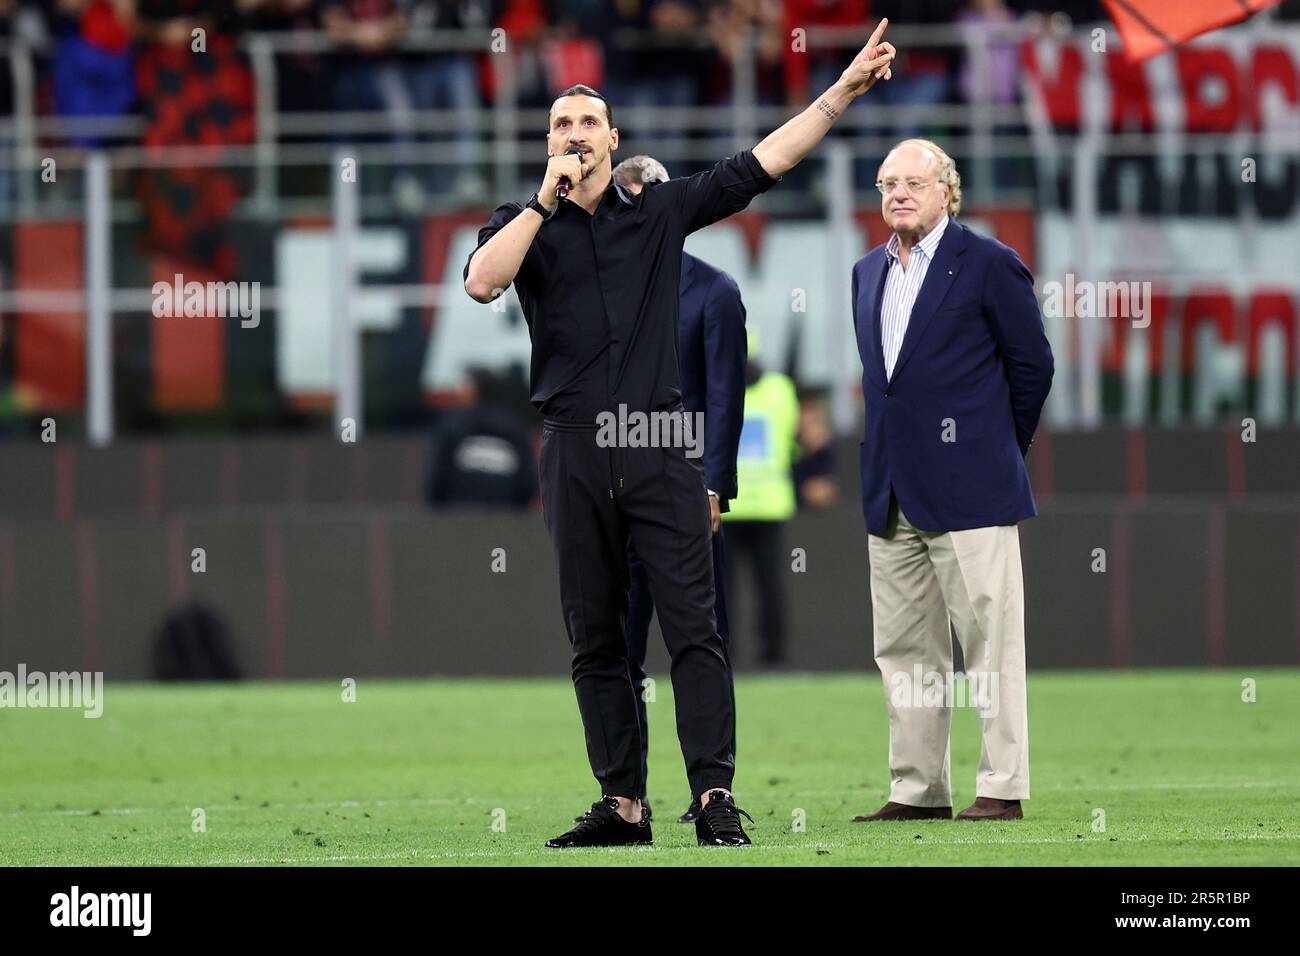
x=178, y=73
x=96, y=55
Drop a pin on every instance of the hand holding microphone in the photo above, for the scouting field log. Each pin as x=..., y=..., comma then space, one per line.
x=566, y=182
x=561, y=173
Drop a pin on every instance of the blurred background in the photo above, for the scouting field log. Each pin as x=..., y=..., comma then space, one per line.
x=340, y=479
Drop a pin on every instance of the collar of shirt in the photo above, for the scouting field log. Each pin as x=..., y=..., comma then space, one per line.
x=613, y=194
x=623, y=194
x=926, y=245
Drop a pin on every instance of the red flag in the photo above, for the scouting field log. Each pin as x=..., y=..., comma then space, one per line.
x=1148, y=27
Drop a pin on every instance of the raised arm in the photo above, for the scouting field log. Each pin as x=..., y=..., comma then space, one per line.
x=783, y=149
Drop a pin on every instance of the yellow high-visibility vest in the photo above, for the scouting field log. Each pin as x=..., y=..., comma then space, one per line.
x=764, y=481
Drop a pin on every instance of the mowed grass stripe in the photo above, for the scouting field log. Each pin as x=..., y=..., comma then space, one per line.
x=1183, y=770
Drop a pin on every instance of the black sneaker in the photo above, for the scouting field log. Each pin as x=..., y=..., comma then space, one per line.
x=692, y=812
x=719, y=822
x=602, y=826
x=645, y=806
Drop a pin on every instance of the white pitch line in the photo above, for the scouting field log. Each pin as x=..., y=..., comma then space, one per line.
x=225, y=807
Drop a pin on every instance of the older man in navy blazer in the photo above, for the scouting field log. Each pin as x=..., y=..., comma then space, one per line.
x=711, y=348
x=956, y=368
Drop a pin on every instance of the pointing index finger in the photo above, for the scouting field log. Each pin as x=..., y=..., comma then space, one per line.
x=880, y=31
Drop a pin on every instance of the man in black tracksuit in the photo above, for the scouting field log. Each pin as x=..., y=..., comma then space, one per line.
x=597, y=275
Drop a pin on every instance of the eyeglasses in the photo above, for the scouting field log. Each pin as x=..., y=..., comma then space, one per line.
x=913, y=186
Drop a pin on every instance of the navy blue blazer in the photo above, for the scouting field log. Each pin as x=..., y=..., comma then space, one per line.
x=711, y=359
x=975, y=366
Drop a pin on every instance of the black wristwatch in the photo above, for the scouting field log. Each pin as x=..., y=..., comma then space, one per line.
x=535, y=204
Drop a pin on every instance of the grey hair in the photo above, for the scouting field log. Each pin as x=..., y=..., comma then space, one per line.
x=640, y=170
x=947, y=172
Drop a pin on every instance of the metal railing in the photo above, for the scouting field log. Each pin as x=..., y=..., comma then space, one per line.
x=511, y=136
x=513, y=151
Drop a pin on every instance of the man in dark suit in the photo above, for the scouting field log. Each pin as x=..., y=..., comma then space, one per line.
x=711, y=357
x=956, y=368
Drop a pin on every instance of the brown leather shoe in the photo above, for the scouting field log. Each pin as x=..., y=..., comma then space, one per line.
x=990, y=808
x=901, y=811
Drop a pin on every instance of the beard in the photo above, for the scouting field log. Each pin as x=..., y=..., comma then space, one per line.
x=592, y=161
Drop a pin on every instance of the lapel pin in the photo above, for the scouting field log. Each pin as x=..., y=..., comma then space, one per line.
x=949, y=272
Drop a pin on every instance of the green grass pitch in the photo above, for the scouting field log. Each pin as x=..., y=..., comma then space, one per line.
x=418, y=772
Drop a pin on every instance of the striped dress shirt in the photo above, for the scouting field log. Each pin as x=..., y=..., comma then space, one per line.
x=901, y=289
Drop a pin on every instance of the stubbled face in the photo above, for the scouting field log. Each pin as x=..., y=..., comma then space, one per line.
x=906, y=210
x=580, y=121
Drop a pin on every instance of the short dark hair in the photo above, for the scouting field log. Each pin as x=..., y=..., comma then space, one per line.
x=582, y=89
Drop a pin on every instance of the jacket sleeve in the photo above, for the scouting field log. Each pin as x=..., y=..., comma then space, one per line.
x=853, y=297
x=724, y=361
x=1012, y=311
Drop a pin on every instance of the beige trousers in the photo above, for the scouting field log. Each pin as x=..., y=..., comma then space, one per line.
x=920, y=580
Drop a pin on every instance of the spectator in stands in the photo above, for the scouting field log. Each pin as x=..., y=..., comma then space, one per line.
x=986, y=25
x=302, y=79
x=661, y=69
x=21, y=24
x=1076, y=12
x=524, y=24
x=928, y=69
x=197, y=91
x=373, y=73
x=982, y=21
x=812, y=65
x=8, y=9
x=92, y=62
x=552, y=45
x=815, y=484
x=573, y=52
x=807, y=65
x=447, y=80
x=733, y=25
x=924, y=72
x=367, y=76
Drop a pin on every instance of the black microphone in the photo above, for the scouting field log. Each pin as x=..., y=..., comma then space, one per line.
x=563, y=187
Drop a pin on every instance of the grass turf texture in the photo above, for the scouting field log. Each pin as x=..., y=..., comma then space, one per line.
x=1185, y=772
